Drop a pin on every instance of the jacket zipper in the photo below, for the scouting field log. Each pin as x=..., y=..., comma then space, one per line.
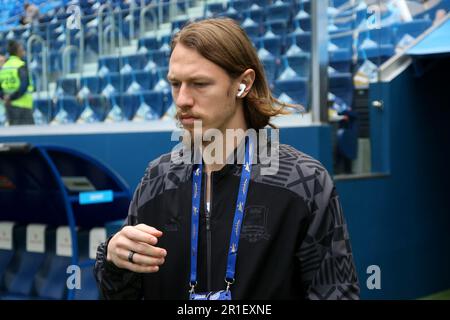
x=208, y=232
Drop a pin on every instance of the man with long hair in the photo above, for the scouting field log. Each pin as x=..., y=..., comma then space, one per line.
x=222, y=229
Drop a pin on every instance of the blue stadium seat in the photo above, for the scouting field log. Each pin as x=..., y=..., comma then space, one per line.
x=240, y=5
x=178, y=24
x=271, y=43
x=278, y=27
x=70, y=105
x=278, y=11
x=215, y=8
x=300, y=63
x=69, y=86
x=55, y=61
x=112, y=78
x=345, y=41
x=46, y=107
x=157, y=101
x=262, y=3
x=136, y=61
x=98, y=104
x=92, y=83
x=160, y=57
x=270, y=68
x=380, y=36
x=303, y=40
x=23, y=268
x=295, y=88
x=151, y=43
x=112, y=63
x=255, y=13
x=6, y=256
x=145, y=79
x=89, y=289
x=231, y=13
x=305, y=23
x=413, y=28
x=50, y=280
x=341, y=85
x=252, y=28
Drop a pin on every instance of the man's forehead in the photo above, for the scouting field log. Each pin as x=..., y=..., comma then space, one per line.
x=188, y=63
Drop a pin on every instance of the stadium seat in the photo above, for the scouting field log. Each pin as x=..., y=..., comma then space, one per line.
x=45, y=107
x=271, y=43
x=240, y=5
x=379, y=36
x=136, y=61
x=278, y=11
x=50, y=280
x=303, y=40
x=300, y=63
x=69, y=86
x=151, y=43
x=255, y=12
x=6, y=248
x=113, y=79
x=413, y=28
x=295, y=88
x=341, y=85
x=92, y=83
x=252, y=28
x=278, y=27
x=112, y=63
x=146, y=80
x=70, y=106
x=30, y=251
x=88, y=240
x=98, y=104
x=160, y=57
x=215, y=8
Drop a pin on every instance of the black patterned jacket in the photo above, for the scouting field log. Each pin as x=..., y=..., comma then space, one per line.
x=294, y=242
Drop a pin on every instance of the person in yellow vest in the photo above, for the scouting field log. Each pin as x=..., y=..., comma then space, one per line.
x=16, y=86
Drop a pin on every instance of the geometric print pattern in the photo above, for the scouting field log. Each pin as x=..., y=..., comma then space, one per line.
x=325, y=256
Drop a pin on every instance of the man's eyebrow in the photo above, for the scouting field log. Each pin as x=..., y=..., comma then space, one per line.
x=192, y=78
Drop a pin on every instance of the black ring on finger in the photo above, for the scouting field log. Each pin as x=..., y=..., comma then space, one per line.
x=130, y=256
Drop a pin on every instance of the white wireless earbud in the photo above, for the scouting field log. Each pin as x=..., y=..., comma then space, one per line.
x=242, y=88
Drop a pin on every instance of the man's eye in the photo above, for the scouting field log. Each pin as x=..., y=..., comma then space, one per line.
x=175, y=84
x=200, y=84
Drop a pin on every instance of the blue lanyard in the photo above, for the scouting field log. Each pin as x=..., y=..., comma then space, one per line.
x=237, y=222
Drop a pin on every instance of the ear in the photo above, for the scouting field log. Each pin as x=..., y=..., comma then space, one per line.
x=247, y=78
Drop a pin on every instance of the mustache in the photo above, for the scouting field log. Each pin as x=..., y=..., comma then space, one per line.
x=179, y=115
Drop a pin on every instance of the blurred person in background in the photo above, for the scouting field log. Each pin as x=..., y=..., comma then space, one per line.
x=16, y=86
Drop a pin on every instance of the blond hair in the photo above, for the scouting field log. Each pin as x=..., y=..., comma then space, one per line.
x=225, y=43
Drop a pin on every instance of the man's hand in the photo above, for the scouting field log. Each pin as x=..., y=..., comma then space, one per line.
x=140, y=239
x=7, y=101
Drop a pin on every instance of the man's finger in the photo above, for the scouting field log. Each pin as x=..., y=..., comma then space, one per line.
x=148, y=229
x=137, y=235
x=142, y=248
x=136, y=267
x=140, y=259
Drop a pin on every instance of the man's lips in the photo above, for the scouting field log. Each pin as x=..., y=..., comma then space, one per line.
x=188, y=119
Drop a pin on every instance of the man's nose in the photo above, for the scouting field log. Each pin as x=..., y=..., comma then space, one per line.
x=184, y=98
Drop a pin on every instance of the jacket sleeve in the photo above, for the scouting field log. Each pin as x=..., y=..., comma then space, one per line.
x=116, y=283
x=325, y=255
x=24, y=82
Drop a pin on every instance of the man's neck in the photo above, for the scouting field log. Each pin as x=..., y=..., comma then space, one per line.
x=229, y=148
x=226, y=152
